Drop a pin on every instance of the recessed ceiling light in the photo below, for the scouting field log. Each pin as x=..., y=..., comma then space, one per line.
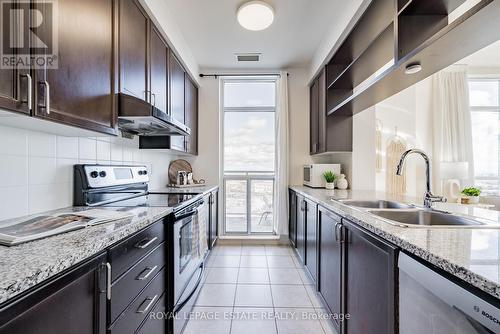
x=255, y=15
x=413, y=68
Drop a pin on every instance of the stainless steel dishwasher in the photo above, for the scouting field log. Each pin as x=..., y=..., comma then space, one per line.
x=430, y=303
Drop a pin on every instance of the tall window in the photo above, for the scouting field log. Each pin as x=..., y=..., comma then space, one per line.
x=249, y=155
x=485, y=114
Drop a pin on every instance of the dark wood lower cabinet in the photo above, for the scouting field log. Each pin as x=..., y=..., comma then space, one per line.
x=330, y=262
x=311, y=239
x=75, y=302
x=301, y=228
x=371, y=282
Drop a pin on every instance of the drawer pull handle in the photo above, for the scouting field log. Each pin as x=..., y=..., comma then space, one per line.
x=149, y=302
x=108, y=281
x=146, y=273
x=145, y=243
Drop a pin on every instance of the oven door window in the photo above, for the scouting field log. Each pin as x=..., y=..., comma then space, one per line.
x=185, y=245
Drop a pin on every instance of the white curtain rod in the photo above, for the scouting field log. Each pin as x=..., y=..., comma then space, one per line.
x=215, y=75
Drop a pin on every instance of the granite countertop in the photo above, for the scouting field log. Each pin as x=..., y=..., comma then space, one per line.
x=471, y=254
x=205, y=189
x=26, y=265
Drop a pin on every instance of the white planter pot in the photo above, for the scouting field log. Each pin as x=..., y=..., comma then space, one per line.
x=330, y=185
x=470, y=199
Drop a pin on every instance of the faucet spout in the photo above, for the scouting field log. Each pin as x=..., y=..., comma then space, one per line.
x=429, y=198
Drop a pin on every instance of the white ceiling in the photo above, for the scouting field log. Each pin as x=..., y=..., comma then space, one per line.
x=213, y=34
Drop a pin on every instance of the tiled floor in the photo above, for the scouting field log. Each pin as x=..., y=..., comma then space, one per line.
x=257, y=289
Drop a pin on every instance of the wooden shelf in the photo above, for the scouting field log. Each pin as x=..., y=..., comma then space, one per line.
x=379, y=53
x=428, y=7
x=376, y=18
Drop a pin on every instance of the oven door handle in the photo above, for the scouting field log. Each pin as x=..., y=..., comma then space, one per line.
x=185, y=215
x=186, y=300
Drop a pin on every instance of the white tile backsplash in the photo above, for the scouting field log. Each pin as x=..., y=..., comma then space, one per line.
x=39, y=167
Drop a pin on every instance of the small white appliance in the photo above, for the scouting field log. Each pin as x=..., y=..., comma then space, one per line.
x=313, y=174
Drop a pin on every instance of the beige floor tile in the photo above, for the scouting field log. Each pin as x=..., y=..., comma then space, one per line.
x=278, y=250
x=253, y=250
x=284, y=276
x=225, y=261
x=326, y=322
x=304, y=276
x=216, y=295
x=313, y=295
x=253, y=296
x=228, y=250
x=208, y=320
x=248, y=261
x=222, y=275
x=280, y=261
x=253, y=321
x=298, y=321
x=253, y=276
x=292, y=296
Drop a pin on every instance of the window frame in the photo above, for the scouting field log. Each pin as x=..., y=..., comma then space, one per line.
x=496, y=108
x=249, y=176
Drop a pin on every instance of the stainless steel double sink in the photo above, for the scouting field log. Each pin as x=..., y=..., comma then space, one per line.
x=405, y=215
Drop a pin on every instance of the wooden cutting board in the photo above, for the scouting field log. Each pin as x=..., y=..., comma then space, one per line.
x=177, y=166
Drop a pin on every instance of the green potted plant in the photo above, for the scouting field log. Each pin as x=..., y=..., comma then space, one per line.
x=470, y=195
x=330, y=178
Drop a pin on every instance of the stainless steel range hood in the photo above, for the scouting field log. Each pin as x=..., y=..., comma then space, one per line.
x=141, y=118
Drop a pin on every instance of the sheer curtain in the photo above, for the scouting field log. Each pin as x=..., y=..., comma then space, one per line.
x=452, y=121
x=281, y=183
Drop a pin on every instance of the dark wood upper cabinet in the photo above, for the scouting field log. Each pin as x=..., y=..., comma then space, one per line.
x=177, y=100
x=311, y=239
x=159, y=70
x=133, y=49
x=371, y=283
x=80, y=90
x=14, y=90
x=75, y=302
x=314, y=117
x=191, y=115
x=330, y=283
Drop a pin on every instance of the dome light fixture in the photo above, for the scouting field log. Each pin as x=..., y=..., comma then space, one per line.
x=413, y=68
x=255, y=15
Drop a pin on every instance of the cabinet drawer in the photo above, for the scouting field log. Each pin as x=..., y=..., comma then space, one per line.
x=140, y=308
x=126, y=253
x=157, y=323
x=129, y=285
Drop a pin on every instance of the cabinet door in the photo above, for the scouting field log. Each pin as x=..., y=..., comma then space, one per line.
x=191, y=107
x=177, y=103
x=214, y=221
x=322, y=113
x=292, y=225
x=330, y=262
x=159, y=70
x=370, y=282
x=301, y=228
x=73, y=303
x=313, y=114
x=80, y=91
x=311, y=239
x=133, y=39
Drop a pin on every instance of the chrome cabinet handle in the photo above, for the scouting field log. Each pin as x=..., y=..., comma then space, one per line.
x=29, y=99
x=337, y=230
x=149, y=301
x=47, y=96
x=108, y=281
x=145, y=243
x=146, y=273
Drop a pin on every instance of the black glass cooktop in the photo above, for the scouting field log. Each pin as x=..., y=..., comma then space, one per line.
x=154, y=200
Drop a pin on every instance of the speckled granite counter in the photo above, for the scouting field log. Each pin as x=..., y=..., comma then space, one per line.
x=471, y=254
x=28, y=264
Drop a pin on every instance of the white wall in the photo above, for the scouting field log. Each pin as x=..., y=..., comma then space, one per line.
x=37, y=167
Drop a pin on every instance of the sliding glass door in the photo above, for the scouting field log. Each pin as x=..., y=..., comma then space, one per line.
x=248, y=155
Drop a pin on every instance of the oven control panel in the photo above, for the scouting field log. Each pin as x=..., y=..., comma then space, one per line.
x=98, y=176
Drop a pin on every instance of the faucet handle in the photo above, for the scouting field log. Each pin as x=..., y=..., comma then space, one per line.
x=429, y=199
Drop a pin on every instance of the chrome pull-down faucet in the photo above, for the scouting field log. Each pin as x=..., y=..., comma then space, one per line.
x=429, y=197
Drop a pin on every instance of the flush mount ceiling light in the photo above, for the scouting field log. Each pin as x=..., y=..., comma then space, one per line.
x=255, y=15
x=413, y=68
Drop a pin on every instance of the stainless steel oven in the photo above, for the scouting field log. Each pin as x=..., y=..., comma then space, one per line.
x=190, y=249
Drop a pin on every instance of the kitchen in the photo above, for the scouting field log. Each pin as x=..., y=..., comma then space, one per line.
x=196, y=167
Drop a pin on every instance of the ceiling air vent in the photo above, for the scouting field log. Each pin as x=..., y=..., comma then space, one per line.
x=248, y=56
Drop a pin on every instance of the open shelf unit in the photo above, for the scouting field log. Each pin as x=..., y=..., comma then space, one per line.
x=390, y=35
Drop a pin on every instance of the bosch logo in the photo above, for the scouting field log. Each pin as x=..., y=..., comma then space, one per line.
x=490, y=317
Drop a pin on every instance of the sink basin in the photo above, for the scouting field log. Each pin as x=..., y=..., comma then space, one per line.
x=422, y=218
x=377, y=204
